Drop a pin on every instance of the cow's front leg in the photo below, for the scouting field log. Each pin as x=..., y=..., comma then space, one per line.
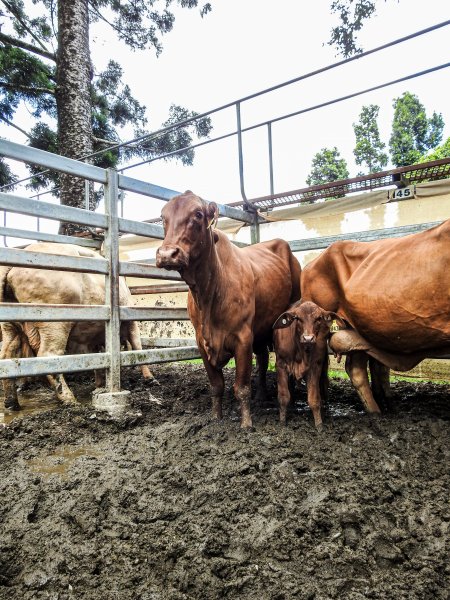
x=313, y=382
x=216, y=381
x=356, y=367
x=284, y=394
x=262, y=358
x=242, y=387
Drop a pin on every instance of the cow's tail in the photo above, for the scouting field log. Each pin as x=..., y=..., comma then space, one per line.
x=4, y=270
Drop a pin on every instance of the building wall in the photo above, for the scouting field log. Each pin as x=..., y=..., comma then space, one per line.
x=291, y=225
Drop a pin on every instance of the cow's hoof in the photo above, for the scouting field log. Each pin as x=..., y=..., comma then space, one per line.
x=248, y=427
x=14, y=406
x=260, y=398
x=70, y=402
x=320, y=428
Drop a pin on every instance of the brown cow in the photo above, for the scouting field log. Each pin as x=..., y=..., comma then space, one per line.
x=42, y=286
x=395, y=293
x=235, y=294
x=300, y=342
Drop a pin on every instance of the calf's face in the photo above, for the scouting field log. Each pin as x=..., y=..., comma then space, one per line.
x=312, y=323
x=187, y=221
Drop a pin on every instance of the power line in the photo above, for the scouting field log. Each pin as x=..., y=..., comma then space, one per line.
x=190, y=120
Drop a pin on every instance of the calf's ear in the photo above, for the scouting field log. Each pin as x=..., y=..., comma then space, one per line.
x=284, y=320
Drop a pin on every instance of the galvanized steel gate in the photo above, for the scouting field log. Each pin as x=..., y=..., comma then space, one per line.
x=111, y=313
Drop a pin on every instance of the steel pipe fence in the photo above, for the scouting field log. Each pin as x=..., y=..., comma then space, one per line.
x=111, y=267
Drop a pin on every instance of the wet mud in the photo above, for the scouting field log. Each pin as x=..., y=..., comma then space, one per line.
x=166, y=504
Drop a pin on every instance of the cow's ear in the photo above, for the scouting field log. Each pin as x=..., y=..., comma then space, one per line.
x=212, y=214
x=331, y=316
x=212, y=211
x=284, y=320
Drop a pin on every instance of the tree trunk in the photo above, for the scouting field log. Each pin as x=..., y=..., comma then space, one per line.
x=73, y=99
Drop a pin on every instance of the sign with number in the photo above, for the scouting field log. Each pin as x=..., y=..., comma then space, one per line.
x=405, y=193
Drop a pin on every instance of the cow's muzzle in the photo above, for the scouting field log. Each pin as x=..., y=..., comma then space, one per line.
x=171, y=257
x=308, y=339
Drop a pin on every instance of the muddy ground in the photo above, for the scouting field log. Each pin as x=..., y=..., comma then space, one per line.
x=165, y=504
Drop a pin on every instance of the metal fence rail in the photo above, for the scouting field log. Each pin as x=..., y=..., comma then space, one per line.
x=109, y=265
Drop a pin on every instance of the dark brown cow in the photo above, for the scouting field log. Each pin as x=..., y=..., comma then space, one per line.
x=300, y=342
x=395, y=293
x=235, y=294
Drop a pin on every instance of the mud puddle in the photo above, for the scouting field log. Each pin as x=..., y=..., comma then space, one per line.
x=59, y=462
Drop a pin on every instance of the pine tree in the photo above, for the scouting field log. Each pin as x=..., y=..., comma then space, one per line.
x=369, y=147
x=45, y=62
x=327, y=166
x=413, y=133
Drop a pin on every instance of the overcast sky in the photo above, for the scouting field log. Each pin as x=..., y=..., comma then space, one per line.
x=244, y=46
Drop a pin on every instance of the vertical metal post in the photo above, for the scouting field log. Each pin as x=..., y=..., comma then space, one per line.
x=38, y=220
x=111, y=250
x=269, y=138
x=240, y=152
x=254, y=227
x=4, y=225
x=87, y=185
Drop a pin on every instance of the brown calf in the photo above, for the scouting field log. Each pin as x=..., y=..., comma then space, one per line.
x=300, y=341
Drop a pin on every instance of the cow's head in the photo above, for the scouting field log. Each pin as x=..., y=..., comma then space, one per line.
x=188, y=231
x=312, y=323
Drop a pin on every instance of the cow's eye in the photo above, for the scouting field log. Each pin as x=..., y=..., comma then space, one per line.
x=199, y=214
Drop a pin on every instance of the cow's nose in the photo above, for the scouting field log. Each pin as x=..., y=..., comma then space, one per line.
x=308, y=339
x=166, y=256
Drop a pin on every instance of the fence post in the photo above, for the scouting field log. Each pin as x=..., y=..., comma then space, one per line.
x=113, y=400
x=248, y=207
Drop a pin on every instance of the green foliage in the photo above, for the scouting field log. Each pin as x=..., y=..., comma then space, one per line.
x=7, y=177
x=352, y=14
x=44, y=138
x=413, y=133
x=369, y=147
x=327, y=166
x=28, y=75
x=23, y=77
x=442, y=151
x=139, y=24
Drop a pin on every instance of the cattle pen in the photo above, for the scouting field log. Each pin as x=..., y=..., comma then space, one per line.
x=144, y=496
x=295, y=210
x=113, y=226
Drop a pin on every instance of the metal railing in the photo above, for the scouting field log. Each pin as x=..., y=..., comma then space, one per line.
x=110, y=266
